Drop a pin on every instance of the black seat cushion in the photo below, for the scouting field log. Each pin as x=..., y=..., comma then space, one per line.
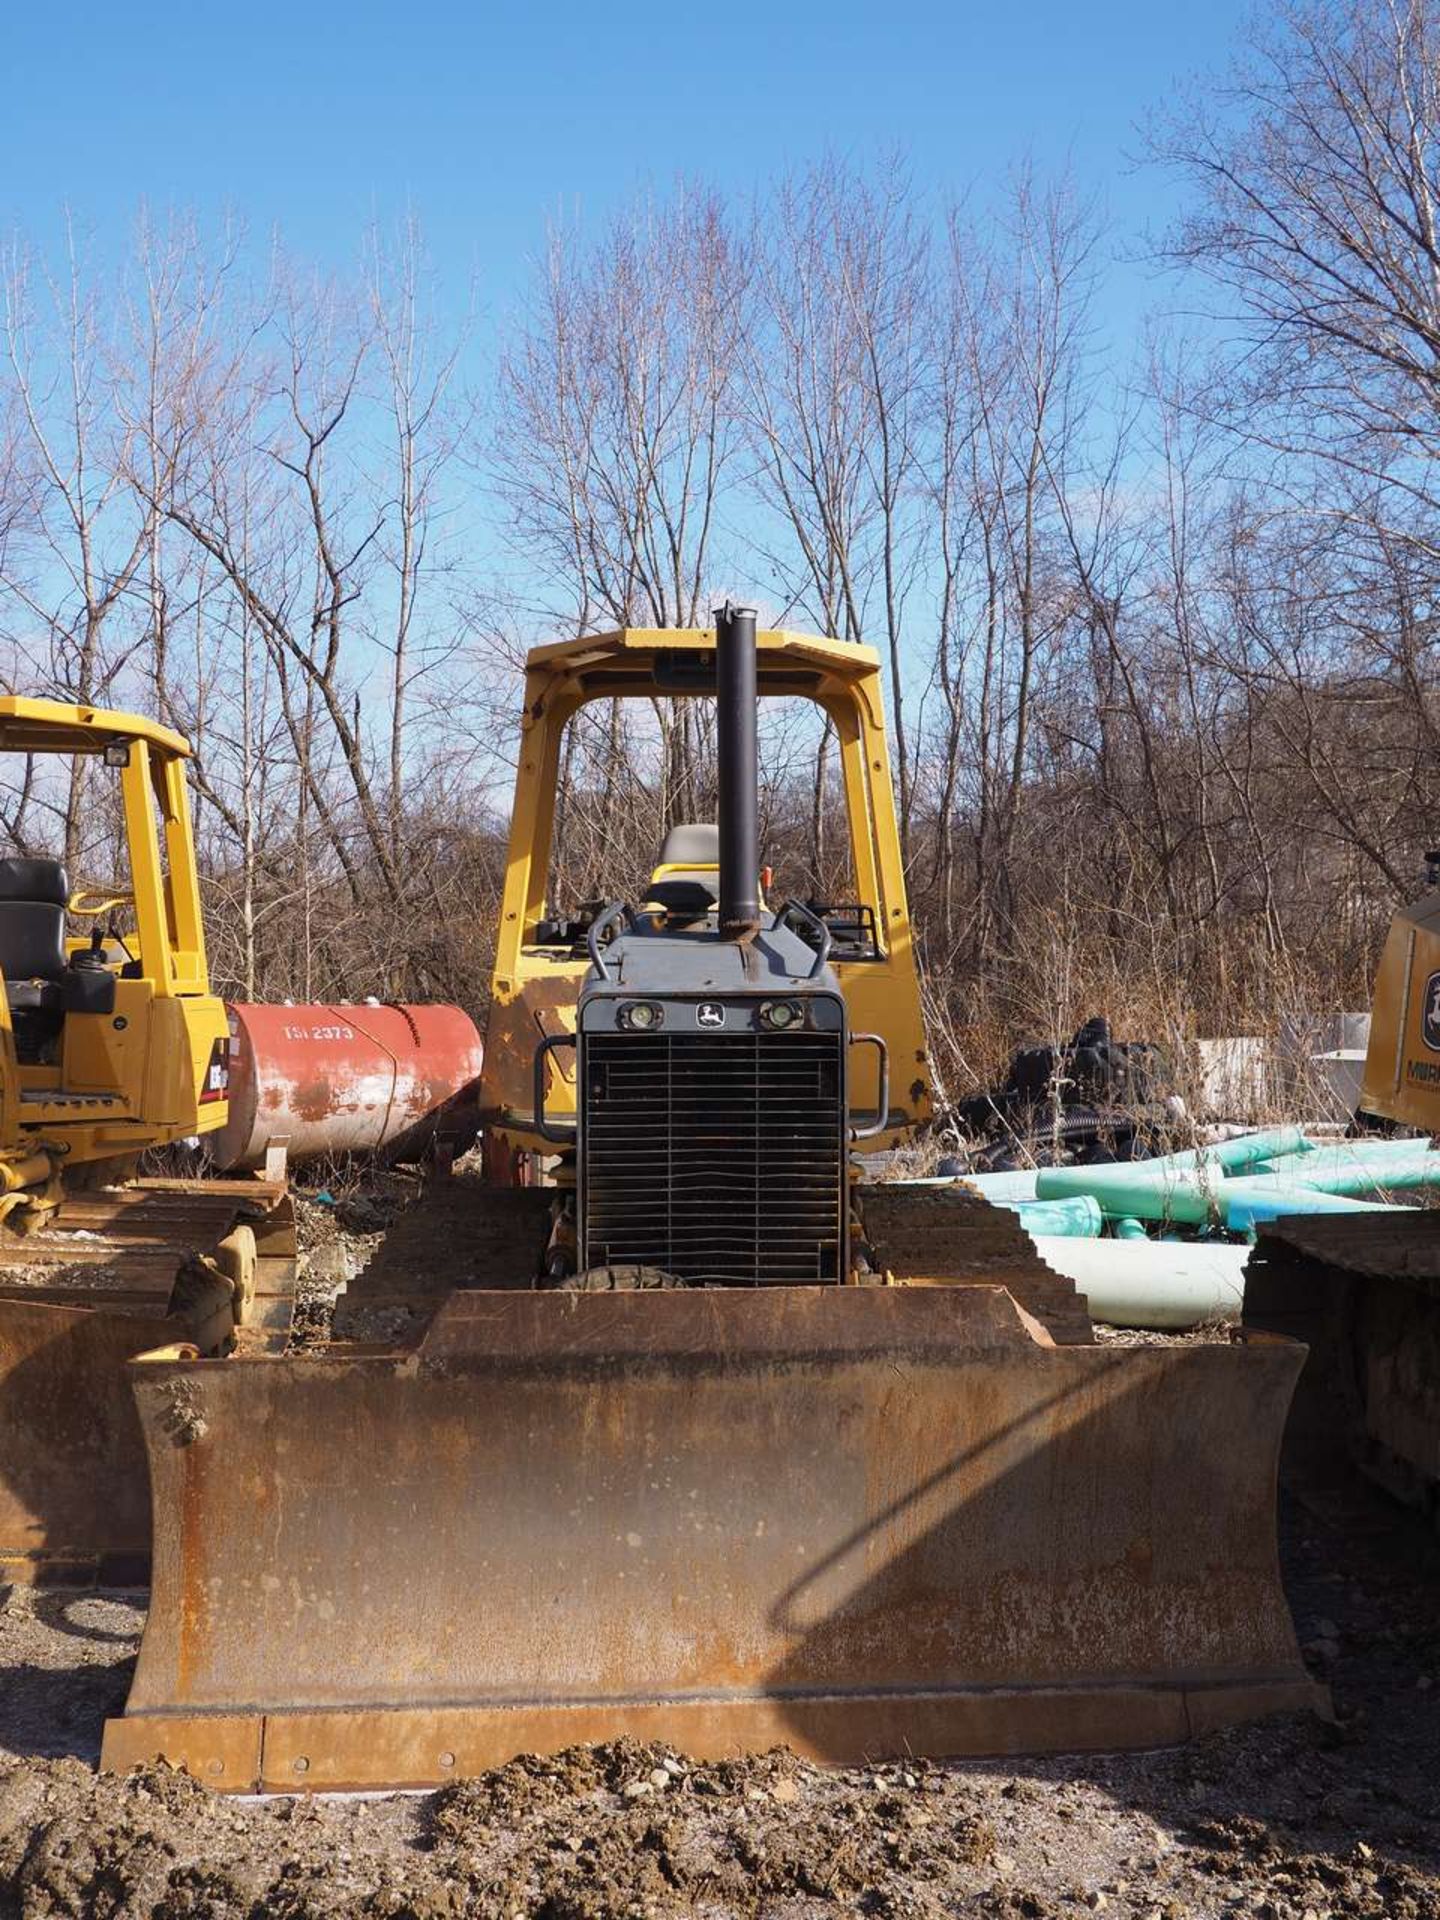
x=33, y=895
x=41, y=880
x=32, y=940
x=686, y=899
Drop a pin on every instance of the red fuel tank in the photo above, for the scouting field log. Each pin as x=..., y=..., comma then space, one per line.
x=348, y=1079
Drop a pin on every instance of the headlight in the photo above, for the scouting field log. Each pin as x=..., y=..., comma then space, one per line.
x=641, y=1016
x=781, y=1014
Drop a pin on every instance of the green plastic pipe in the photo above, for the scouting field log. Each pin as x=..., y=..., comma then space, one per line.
x=1078, y=1218
x=1201, y=1196
x=1398, y=1176
x=1139, y=1189
x=1377, y=1156
x=1366, y=1145
x=1215, y=1162
x=1246, y=1149
x=1248, y=1202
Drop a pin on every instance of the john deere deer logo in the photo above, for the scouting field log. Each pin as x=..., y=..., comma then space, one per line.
x=1430, y=1018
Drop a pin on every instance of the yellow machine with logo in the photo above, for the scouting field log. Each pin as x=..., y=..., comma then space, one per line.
x=711, y=1439
x=1363, y=1290
x=111, y=1043
x=1402, y=1060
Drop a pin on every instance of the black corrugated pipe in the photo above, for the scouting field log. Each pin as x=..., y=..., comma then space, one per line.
x=738, y=770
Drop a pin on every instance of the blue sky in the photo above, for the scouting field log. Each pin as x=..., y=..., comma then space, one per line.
x=489, y=119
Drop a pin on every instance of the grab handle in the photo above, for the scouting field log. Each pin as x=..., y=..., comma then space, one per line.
x=562, y=1136
x=882, y=1108
x=617, y=911
x=793, y=910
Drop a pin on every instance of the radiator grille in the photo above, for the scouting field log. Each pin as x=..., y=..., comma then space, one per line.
x=716, y=1157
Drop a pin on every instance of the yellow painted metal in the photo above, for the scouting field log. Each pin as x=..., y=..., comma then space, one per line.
x=28, y=1172
x=140, y=1075
x=53, y=726
x=96, y=903
x=668, y=869
x=534, y=989
x=1402, y=1061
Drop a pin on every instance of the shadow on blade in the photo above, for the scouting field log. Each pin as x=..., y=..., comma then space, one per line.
x=857, y=1520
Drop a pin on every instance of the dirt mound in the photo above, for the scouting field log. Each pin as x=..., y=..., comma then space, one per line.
x=1358, y=1883
x=626, y=1829
x=584, y=1835
x=735, y=1837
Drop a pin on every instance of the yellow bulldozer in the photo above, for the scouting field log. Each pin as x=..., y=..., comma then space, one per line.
x=706, y=1438
x=1362, y=1291
x=111, y=1044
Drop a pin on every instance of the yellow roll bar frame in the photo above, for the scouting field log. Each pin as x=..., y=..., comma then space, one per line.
x=534, y=990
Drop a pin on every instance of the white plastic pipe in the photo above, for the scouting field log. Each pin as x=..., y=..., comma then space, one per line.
x=1001, y=1189
x=1163, y=1285
x=1004, y=1189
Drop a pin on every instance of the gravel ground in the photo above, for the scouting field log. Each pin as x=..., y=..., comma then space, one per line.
x=337, y=1239
x=1293, y=1820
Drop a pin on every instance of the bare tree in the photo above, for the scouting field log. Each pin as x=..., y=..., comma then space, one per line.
x=834, y=392
x=1316, y=173
x=425, y=429
x=74, y=562
x=615, y=435
x=615, y=431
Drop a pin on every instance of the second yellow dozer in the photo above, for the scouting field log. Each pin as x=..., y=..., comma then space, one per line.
x=111, y=1043
x=1362, y=1290
x=709, y=1440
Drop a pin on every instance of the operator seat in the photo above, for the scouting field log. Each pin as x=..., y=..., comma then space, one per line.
x=686, y=881
x=42, y=981
x=33, y=894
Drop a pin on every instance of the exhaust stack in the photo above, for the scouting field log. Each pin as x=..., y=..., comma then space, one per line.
x=738, y=770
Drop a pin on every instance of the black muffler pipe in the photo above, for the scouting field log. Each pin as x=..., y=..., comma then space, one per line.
x=738, y=771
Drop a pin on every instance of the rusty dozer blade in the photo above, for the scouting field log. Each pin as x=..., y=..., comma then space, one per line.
x=114, y=1273
x=861, y=1521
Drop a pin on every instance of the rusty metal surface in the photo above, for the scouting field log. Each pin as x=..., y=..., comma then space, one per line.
x=1403, y=1245
x=348, y=1079
x=421, y=1747
x=949, y=1236
x=111, y=1277
x=855, y=1519
x=1367, y=1307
